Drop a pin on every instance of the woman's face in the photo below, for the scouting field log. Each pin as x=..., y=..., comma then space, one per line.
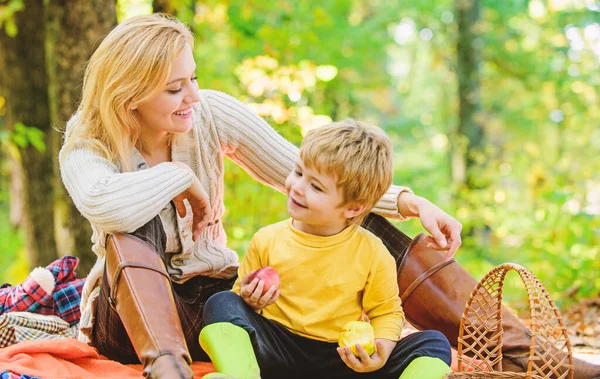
x=170, y=111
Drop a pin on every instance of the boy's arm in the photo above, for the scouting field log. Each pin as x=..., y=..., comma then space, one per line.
x=386, y=346
x=250, y=262
x=381, y=301
x=251, y=292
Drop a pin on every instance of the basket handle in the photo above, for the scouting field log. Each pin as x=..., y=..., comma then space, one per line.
x=480, y=333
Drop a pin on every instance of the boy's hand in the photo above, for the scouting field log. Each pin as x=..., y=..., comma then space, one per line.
x=251, y=293
x=364, y=362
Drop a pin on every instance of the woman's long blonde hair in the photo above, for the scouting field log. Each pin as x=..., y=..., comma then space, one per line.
x=131, y=65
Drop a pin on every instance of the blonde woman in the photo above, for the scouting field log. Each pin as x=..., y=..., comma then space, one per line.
x=143, y=162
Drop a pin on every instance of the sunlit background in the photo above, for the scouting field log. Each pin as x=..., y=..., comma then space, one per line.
x=514, y=155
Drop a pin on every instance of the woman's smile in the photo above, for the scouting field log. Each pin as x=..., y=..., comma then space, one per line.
x=184, y=114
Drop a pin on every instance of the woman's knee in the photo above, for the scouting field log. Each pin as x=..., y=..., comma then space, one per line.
x=153, y=234
x=225, y=306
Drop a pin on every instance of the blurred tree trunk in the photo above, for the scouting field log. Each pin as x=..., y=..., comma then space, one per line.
x=74, y=30
x=164, y=6
x=469, y=138
x=24, y=82
x=184, y=10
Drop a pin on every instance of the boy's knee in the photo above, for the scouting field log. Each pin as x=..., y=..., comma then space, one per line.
x=438, y=344
x=223, y=297
x=435, y=337
x=223, y=307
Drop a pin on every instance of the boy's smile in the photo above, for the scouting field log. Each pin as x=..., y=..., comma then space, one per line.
x=293, y=203
x=315, y=202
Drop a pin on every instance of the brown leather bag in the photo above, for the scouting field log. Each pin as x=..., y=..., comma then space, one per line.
x=434, y=293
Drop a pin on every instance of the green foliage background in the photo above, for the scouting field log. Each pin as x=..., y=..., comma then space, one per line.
x=301, y=63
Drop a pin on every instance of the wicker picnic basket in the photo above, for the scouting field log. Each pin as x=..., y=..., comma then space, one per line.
x=480, y=334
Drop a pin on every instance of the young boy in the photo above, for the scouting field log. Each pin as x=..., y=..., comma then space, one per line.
x=332, y=270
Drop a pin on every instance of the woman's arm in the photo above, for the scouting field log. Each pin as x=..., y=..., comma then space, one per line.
x=444, y=229
x=269, y=158
x=250, y=141
x=254, y=145
x=115, y=201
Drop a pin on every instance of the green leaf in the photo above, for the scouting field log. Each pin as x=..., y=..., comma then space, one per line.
x=11, y=28
x=24, y=135
x=20, y=140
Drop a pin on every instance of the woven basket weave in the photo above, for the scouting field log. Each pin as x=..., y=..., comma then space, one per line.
x=480, y=334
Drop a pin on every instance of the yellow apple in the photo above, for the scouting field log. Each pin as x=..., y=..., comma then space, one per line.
x=358, y=333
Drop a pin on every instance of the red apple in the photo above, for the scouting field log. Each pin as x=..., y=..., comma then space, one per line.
x=268, y=275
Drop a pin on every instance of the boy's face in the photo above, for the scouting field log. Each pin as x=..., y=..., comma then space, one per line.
x=315, y=200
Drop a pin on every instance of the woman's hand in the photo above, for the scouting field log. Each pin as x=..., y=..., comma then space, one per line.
x=198, y=199
x=251, y=293
x=364, y=362
x=444, y=229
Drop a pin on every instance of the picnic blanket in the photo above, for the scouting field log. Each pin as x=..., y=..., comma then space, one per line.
x=70, y=359
x=18, y=327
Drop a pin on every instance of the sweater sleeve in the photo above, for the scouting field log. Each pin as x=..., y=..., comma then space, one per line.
x=381, y=301
x=115, y=201
x=250, y=141
x=387, y=206
x=268, y=157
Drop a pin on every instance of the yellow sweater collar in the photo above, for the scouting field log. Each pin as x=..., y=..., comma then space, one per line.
x=312, y=240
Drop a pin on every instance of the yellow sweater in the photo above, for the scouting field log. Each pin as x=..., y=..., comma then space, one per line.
x=327, y=281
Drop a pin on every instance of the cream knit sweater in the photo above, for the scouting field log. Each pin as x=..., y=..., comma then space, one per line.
x=122, y=202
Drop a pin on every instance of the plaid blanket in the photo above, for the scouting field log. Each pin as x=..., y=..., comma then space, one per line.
x=31, y=297
x=17, y=327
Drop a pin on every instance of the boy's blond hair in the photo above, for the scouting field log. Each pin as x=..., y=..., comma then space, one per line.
x=357, y=154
